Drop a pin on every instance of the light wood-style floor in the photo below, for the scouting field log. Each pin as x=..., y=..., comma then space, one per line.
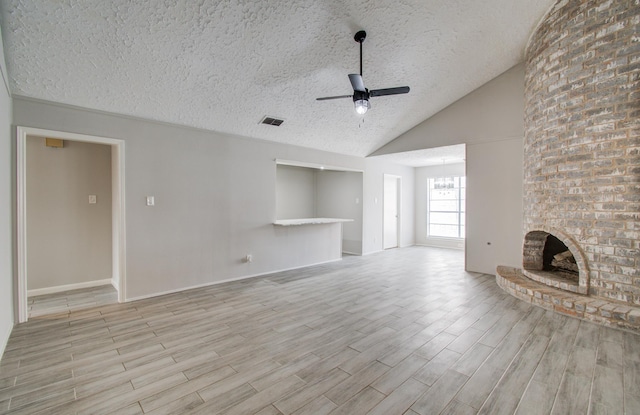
x=405, y=331
x=74, y=300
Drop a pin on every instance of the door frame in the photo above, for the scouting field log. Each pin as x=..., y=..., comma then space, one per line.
x=398, y=207
x=118, y=233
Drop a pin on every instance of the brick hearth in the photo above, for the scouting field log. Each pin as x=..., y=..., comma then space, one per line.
x=597, y=310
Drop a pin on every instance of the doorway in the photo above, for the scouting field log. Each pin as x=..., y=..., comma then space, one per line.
x=117, y=209
x=391, y=211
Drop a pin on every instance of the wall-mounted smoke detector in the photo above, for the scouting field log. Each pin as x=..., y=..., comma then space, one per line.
x=272, y=121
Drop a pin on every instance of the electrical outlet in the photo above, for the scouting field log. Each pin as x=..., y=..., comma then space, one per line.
x=151, y=201
x=93, y=199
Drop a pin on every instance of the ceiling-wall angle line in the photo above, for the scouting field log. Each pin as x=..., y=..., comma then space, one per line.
x=5, y=79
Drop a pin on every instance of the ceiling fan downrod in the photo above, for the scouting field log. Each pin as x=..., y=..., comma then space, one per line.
x=360, y=37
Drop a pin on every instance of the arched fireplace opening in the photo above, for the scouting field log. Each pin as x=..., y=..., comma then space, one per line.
x=555, y=260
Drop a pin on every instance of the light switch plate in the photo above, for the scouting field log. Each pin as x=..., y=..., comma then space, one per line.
x=151, y=201
x=93, y=199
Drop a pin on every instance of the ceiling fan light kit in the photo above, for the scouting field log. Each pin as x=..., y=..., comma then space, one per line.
x=361, y=95
x=362, y=106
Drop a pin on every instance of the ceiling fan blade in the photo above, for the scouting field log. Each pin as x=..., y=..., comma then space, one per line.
x=336, y=97
x=356, y=82
x=389, y=91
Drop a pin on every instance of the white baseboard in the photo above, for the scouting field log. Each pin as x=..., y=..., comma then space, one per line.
x=115, y=283
x=372, y=252
x=208, y=284
x=67, y=287
x=444, y=243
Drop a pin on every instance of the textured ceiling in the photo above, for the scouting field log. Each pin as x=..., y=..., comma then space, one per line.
x=224, y=65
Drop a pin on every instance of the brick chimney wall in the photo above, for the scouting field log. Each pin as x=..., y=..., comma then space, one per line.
x=582, y=138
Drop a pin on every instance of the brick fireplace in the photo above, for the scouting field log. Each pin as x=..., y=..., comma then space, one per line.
x=582, y=163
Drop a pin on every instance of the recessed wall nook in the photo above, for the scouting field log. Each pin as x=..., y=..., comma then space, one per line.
x=581, y=247
x=316, y=195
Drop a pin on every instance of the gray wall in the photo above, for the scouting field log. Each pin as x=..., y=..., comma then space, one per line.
x=215, y=200
x=339, y=195
x=295, y=192
x=7, y=167
x=495, y=111
x=494, y=205
x=68, y=239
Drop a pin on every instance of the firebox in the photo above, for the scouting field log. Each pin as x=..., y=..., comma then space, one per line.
x=555, y=260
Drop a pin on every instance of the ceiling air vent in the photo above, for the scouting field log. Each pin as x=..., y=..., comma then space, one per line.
x=271, y=121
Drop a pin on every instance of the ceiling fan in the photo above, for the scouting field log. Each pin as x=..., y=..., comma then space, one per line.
x=361, y=94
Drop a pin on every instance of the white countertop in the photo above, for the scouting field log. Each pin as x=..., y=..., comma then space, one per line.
x=309, y=221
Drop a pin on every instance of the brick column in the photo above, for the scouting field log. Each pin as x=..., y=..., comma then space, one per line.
x=582, y=137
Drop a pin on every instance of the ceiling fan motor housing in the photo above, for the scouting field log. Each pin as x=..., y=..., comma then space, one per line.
x=361, y=95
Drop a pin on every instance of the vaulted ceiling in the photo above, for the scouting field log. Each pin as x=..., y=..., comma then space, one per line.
x=224, y=65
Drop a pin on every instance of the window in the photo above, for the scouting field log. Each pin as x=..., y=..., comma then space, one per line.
x=445, y=209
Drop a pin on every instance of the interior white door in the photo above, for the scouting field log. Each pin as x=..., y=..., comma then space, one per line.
x=391, y=212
